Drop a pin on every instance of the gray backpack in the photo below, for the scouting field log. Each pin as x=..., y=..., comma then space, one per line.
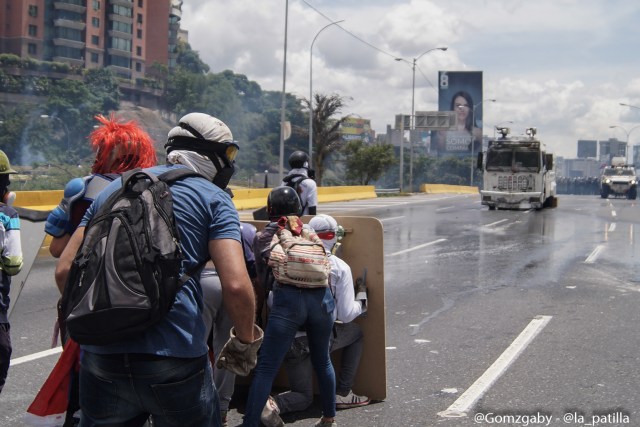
x=126, y=273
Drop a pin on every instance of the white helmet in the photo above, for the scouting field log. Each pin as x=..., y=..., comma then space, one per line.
x=326, y=227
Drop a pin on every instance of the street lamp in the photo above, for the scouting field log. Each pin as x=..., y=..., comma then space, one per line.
x=473, y=139
x=627, y=141
x=284, y=94
x=413, y=119
x=311, y=91
x=630, y=106
x=66, y=129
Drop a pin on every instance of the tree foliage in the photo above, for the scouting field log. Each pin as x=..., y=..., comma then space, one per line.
x=367, y=163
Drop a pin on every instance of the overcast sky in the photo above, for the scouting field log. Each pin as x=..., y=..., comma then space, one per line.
x=563, y=66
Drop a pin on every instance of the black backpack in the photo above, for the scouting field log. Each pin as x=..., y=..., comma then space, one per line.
x=126, y=273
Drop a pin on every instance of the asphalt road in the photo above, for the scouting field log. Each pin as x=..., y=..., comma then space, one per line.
x=516, y=318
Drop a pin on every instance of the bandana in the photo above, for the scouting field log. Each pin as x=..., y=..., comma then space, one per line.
x=197, y=162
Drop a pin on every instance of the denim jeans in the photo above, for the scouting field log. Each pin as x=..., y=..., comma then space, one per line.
x=348, y=337
x=124, y=389
x=294, y=308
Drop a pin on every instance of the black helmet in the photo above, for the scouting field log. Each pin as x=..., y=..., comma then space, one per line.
x=299, y=159
x=283, y=201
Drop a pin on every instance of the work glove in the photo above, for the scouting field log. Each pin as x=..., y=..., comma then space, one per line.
x=361, y=293
x=238, y=357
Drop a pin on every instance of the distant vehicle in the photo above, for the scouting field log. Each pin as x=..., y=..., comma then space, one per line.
x=518, y=173
x=619, y=180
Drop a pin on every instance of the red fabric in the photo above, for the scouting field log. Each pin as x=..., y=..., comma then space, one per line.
x=53, y=397
x=292, y=222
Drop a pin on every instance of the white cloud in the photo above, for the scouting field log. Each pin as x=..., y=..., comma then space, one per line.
x=562, y=66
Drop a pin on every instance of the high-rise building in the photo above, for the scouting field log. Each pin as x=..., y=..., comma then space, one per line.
x=127, y=36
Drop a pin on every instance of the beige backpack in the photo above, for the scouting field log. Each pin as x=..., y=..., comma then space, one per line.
x=299, y=260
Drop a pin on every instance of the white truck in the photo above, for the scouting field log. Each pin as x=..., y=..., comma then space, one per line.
x=518, y=173
x=619, y=179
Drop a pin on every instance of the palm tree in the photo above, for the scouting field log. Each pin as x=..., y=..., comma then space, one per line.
x=326, y=129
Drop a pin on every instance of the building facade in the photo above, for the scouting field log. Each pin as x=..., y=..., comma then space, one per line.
x=127, y=36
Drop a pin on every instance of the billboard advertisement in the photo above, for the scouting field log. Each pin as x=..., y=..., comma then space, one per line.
x=587, y=148
x=459, y=92
x=357, y=128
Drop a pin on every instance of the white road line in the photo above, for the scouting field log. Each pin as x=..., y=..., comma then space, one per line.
x=34, y=356
x=424, y=245
x=464, y=403
x=444, y=208
x=392, y=218
x=594, y=255
x=495, y=223
x=612, y=227
x=613, y=214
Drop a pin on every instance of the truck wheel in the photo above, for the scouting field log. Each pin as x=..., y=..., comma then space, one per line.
x=632, y=194
x=492, y=208
x=604, y=194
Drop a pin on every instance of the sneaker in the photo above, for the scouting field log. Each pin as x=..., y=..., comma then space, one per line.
x=321, y=423
x=223, y=417
x=351, y=401
x=270, y=414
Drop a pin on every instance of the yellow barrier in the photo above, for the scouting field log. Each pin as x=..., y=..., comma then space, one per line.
x=39, y=200
x=447, y=188
x=244, y=198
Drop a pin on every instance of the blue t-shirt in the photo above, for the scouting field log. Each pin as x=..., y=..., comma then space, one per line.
x=203, y=212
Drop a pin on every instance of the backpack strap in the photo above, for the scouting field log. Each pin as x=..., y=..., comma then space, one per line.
x=176, y=174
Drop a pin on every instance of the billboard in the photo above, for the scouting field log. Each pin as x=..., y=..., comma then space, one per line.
x=587, y=148
x=357, y=128
x=459, y=92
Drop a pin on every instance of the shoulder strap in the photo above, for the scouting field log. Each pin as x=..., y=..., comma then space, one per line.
x=176, y=174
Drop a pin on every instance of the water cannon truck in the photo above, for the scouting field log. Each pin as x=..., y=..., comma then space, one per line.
x=518, y=172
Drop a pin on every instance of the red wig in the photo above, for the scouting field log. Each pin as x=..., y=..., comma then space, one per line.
x=120, y=146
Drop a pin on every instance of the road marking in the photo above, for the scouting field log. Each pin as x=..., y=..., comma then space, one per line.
x=424, y=245
x=392, y=218
x=613, y=213
x=464, y=403
x=612, y=227
x=34, y=356
x=594, y=255
x=495, y=223
x=444, y=208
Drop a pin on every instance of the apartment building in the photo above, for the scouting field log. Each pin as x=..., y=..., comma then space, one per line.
x=127, y=36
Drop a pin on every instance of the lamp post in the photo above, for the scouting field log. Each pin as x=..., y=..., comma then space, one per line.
x=630, y=106
x=284, y=94
x=627, y=132
x=473, y=139
x=311, y=91
x=413, y=118
x=66, y=129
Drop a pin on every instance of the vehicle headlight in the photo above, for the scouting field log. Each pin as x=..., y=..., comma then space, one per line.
x=607, y=181
x=633, y=182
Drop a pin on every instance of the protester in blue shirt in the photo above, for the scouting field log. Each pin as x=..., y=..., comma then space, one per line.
x=165, y=372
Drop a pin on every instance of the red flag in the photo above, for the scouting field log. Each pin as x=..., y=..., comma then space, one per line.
x=49, y=407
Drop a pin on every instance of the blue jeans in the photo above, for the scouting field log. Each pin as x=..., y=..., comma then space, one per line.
x=349, y=338
x=124, y=389
x=294, y=308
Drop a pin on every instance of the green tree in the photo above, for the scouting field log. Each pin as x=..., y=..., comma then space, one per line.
x=367, y=163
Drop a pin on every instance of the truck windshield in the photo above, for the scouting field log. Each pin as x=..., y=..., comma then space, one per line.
x=513, y=160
